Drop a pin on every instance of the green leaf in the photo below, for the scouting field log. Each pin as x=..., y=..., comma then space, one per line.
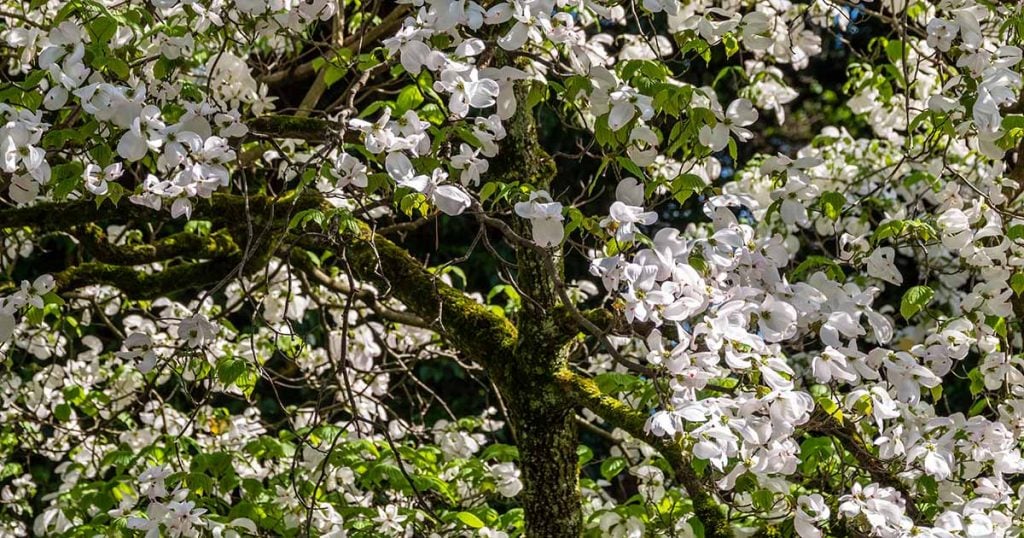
x=698, y=262
x=997, y=323
x=229, y=370
x=978, y=407
x=10, y=469
x=74, y=394
x=1017, y=283
x=699, y=466
x=603, y=133
x=611, y=467
x=977, y=381
x=199, y=227
x=914, y=300
x=102, y=28
x=34, y=315
x=432, y=113
x=488, y=190
x=763, y=499
x=470, y=520
x=53, y=298
x=888, y=229
x=814, y=262
x=701, y=47
x=118, y=67
x=685, y=185
x=697, y=526
x=500, y=452
x=830, y=407
x=33, y=79
x=408, y=99
x=333, y=74
x=162, y=67
x=814, y=451
x=66, y=178
x=114, y=192
x=302, y=218
x=62, y=412
x=1013, y=121
x=732, y=46
x=537, y=93
x=894, y=50
x=585, y=454
x=614, y=382
x=630, y=167
x=832, y=204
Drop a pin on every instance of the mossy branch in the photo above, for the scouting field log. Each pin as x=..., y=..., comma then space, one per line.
x=472, y=327
x=221, y=250
x=138, y=284
x=359, y=41
x=585, y=393
x=301, y=128
x=66, y=215
x=183, y=244
x=300, y=259
x=824, y=423
x=232, y=209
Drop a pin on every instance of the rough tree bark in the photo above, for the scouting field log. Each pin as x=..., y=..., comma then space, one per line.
x=542, y=417
x=543, y=422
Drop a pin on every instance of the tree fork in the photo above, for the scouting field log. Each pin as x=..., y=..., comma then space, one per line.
x=544, y=422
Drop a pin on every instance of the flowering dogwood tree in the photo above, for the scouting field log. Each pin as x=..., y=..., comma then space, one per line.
x=721, y=267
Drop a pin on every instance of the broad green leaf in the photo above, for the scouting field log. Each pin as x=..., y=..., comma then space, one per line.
x=470, y=520
x=584, y=454
x=977, y=381
x=914, y=300
x=685, y=185
x=832, y=204
x=408, y=99
x=611, y=467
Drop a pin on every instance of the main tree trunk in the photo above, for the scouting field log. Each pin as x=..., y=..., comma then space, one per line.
x=542, y=417
x=547, y=456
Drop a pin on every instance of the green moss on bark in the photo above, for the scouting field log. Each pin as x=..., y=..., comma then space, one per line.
x=184, y=244
x=140, y=285
x=543, y=420
x=473, y=328
x=281, y=126
x=229, y=209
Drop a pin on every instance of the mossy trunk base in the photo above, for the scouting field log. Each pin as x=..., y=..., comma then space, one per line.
x=551, y=496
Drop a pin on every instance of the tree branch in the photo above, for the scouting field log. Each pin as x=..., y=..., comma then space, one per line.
x=358, y=40
x=587, y=394
x=138, y=284
x=469, y=325
x=301, y=128
x=824, y=423
x=231, y=209
x=367, y=297
x=183, y=244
